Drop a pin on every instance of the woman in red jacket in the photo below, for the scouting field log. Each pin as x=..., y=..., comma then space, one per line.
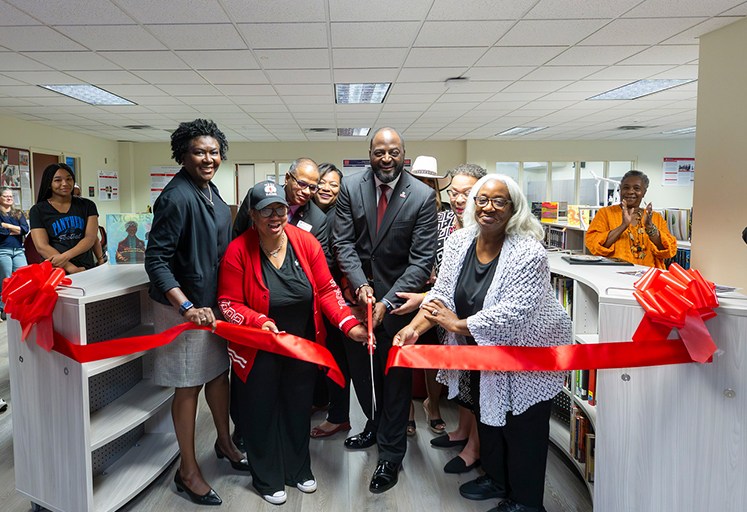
x=275, y=277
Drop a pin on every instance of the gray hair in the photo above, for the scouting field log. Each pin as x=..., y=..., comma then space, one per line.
x=471, y=170
x=299, y=161
x=636, y=174
x=522, y=222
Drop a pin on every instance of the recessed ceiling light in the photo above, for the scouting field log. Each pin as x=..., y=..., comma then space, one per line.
x=521, y=130
x=88, y=94
x=639, y=89
x=681, y=131
x=361, y=93
x=353, y=132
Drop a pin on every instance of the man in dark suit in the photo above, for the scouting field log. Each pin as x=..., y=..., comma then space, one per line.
x=301, y=183
x=384, y=238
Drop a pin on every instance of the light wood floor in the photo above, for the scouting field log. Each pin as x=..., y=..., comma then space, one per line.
x=343, y=476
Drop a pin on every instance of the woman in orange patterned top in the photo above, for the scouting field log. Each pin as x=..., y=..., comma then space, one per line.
x=629, y=232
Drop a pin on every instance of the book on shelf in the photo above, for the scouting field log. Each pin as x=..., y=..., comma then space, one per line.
x=582, y=428
x=589, y=468
x=678, y=222
x=537, y=209
x=592, y=391
x=549, y=212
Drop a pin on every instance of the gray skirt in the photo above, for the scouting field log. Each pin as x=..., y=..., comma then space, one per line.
x=192, y=359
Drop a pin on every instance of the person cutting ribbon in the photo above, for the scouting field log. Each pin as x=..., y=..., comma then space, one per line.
x=493, y=288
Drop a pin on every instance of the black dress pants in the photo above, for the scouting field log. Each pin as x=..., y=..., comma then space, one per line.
x=339, y=398
x=393, y=395
x=274, y=406
x=515, y=455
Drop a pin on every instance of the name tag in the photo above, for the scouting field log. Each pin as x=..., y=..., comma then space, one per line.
x=304, y=225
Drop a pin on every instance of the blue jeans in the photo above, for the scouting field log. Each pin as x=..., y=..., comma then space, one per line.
x=10, y=261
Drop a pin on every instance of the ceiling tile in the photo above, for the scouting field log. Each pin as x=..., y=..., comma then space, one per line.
x=499, y=72
x=76, y=12
x=537, y=86
x=594, y=55
x=293, y=59
x=299, y=76
x=174, y=11
x=670, y=9
x=36, y=39
x=235, y=76
x=691, y=35
x=219, y=59
x=429, y=74
x=277, y=11
x=44, y=77
x=412, y=98
x=112, y=37
x=368, y=57
x=549, y=32
x=639, y=31
x=368, y=75
x=674, y=54
x=418, y=88
x=311, y=90
x=628, y=72
x=461, y=33
x=247, y=90
x=392, y=34
x=519, y=56
x=285, y=35
x=562, y=72
x=383, y=10
x=570, y=9
x=479, y=10
x=145, y=60
x=198, y=37
x=171, y=77
x=107, y=77
x=443, y=57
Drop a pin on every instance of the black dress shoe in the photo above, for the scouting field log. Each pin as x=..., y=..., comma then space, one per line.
x=512, y=506
x=209, y=498
x=241, y=465
x=385, y=477
x=457, y=465
x=444, y=442
x=482, y=488
x=361, y=441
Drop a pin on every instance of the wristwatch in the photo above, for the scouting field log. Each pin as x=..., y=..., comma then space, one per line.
x=389, y=306
x=185, y=306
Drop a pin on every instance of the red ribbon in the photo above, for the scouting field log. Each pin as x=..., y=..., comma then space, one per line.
x=30, y=297
x=679, y=299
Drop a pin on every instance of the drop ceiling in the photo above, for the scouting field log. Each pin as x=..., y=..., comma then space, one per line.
x=265, y=70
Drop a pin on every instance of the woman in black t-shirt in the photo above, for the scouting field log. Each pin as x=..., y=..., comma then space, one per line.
x=64, y=228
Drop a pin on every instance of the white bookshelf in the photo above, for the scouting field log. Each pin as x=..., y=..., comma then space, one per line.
x=666, y=436
x=89, y=437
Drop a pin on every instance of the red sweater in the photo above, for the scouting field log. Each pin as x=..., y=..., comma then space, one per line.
x=244, y=298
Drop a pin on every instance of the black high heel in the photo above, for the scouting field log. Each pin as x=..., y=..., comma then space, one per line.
x=209, y=498
x=242, y=465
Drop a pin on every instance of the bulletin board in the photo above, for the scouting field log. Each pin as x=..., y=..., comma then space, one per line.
x=15, y=173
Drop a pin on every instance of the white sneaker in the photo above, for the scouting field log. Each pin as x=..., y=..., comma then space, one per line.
x=4, y=405
x=277, y=498
x=308, y=486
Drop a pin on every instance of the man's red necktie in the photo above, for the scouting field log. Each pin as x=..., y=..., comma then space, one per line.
x=381, y=208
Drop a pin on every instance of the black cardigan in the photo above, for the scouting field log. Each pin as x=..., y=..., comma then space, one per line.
x=187, y=241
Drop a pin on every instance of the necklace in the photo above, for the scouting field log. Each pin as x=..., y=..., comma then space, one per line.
x=273, y=253
x=210, y=199
x=636, y=237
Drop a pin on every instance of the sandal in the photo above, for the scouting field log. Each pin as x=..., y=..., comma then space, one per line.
x=437, y=425
x=411, y=428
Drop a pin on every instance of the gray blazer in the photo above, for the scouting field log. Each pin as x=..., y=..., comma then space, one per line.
x=398, y=258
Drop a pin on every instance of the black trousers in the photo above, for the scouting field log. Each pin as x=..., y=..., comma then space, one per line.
x=515, y=455
x=273, y=407
x=393, y=395
x=339, y=398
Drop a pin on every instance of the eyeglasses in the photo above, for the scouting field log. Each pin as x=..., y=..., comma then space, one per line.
x=498, y=202
x=280, y=211
x=313, y=188
x=455, y=194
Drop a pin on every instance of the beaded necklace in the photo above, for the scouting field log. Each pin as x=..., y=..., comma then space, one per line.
x=637, y=237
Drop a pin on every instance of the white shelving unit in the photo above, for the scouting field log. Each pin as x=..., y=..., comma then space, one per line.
x=89, y=437
x=667, y=437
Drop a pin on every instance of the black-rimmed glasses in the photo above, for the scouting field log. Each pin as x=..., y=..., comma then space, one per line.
x=498, y=202
x=312, y=187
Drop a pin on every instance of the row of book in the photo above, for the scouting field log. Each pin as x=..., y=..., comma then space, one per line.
x=682, y=258
x=574, y=215
x=679, y=222
x=584, y=385
x=563, y=287
x=582, y=442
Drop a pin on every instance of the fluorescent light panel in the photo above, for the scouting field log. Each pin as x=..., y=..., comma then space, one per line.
x=353, y=132
x=681, y=131
x=521, y=130
x=88, y=94
x=639, y=89
x=361, y=93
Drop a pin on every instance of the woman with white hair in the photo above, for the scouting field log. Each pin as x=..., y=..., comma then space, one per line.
x=493, y=288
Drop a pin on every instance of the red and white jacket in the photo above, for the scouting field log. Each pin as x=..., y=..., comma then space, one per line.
x=244, y=299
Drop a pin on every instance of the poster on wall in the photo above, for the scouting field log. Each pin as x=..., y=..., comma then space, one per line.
x=159, y=178
x=108, y=184
x=127, y=237
x=25, y=199
x=14, y=174
x=354, y=166
x=678, y=172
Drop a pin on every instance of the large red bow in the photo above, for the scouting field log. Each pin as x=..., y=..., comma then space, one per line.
x=680, y=299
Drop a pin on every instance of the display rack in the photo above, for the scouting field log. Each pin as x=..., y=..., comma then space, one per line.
x=89, y=437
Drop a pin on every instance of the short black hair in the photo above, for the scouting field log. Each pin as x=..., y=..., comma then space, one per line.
x=187, y=131
x=635, y=174
x=45, y=185
x=326, y=167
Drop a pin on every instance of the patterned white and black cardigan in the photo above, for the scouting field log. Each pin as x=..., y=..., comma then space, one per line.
x=519, y=309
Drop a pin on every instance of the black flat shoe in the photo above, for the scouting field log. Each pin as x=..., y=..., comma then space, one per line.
x=385, y=476
x=482, y=488
x=209, y=498
x=242, y=465
x=361, y=441
x=444, y=442
x=457, y=465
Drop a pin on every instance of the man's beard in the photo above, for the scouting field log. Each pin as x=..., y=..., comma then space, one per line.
x=388, y=178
